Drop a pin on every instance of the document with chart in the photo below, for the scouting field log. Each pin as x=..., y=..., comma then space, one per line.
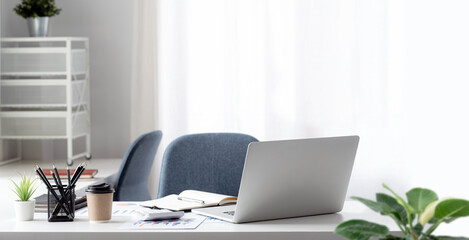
x=188, y=221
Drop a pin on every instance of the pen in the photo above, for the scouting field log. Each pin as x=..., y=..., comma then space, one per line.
x=191, y=200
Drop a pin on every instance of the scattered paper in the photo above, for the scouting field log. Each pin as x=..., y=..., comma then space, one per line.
x=188, y=221
x=214, y=220
x=118, y=209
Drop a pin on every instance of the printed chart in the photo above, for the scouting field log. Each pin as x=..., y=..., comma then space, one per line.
x=188, y=221
x=214, y=220
x=118, y=209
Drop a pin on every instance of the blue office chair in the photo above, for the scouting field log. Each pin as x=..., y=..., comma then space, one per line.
x=131, y=182
x=211, y=162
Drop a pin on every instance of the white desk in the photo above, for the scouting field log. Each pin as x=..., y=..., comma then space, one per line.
x=313, y=227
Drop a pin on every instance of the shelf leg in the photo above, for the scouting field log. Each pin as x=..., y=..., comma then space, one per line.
x=88, y=145
x=19, y=149
x=69, y=124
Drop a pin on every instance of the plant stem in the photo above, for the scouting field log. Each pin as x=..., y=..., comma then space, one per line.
x=433, y=227
x=409, y=221
x=398, y=224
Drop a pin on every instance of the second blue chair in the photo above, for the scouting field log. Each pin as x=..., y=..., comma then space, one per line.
x=131, y=182
x=211, y=162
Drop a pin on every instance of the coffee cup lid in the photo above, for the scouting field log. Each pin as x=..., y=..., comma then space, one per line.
x=100, y=188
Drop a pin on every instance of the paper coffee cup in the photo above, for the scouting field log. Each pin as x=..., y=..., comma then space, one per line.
x=99, y=200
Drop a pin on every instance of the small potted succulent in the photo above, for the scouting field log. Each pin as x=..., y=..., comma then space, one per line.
x=37, y=13
x=417, y=218
x=24, y=206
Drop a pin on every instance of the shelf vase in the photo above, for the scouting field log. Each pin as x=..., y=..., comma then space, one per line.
x=38, y=27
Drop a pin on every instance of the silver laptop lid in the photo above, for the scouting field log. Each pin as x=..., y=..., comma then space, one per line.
x=295, y=178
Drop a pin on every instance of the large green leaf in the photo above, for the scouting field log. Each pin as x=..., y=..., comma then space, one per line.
x=417, y=229
x=360, y=230
x=392, y=203
x=375, y=206
x=419, y=198
x=401, y=201
x=452, y=208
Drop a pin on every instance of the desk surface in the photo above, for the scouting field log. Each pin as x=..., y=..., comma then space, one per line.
x=312, y=227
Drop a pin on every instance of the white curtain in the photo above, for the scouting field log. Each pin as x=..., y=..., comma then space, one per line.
x=393, y=72
x=275, y=69
x=385, y=70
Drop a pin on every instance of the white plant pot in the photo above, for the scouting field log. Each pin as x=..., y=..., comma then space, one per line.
x=24, y=210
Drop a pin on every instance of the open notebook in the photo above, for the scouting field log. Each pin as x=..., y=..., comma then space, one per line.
x=190, y=199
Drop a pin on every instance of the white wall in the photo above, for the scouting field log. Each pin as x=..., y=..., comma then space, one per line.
x=108, y=24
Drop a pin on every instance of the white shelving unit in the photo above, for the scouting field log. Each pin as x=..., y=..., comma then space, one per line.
x=45, y=91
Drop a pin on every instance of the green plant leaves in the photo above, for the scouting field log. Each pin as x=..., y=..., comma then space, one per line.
x=399, y=210
x=360, y=229
x=419, y=198
x=417, y=229
x=452, y=208
x=375, y=206
x=25, y=188
x=401, y=201
x=428, y=214
x=37, y=8
x=421, y=201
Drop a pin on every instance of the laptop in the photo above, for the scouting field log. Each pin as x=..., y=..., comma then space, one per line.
x=291, y=178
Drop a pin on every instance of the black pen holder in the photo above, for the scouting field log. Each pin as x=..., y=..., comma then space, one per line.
x=61, y=205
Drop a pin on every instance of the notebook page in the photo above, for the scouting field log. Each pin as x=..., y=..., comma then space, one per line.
x=208, y=198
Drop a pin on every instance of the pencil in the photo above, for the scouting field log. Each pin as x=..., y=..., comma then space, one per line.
x=59, y=183
x=75, y=174
x=41, y=173
x=68, y=176
x=49, y=186
x=82, y=169
x=61, y=190
x=43, y=178
x=58, y=176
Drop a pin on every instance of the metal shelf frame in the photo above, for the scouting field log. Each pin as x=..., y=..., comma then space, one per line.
x=68, y=79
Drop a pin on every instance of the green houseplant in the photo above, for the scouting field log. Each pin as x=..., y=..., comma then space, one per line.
x=417, y=218
x=24, y=189
x=37, y=14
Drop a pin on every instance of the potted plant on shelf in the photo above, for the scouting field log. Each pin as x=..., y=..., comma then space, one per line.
x=24, y=206
x=37, y=13
x=417, y=218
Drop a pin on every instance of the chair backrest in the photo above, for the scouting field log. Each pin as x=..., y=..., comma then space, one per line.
x=131, y=182
x=211, y=162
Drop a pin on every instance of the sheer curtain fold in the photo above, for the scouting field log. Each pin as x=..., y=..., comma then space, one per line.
x=144, y=84
x=144, y=88
x=274, y=69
